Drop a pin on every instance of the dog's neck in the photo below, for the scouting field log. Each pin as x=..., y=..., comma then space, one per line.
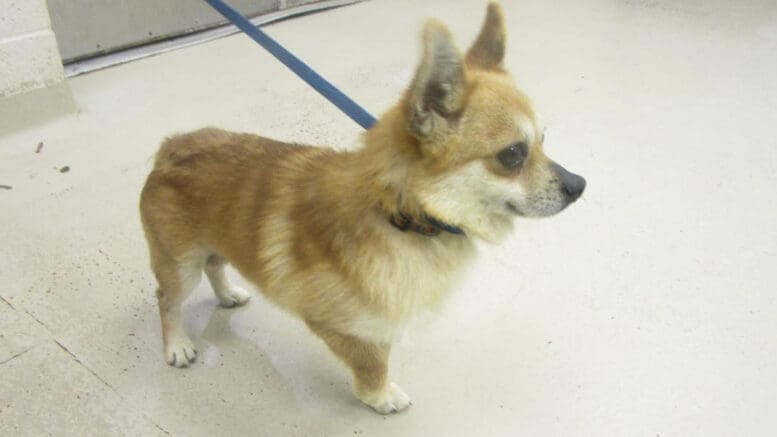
x=380, y=171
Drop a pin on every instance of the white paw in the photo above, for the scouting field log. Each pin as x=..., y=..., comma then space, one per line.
x=389, y=401
x=234, y=296
x=179, y=352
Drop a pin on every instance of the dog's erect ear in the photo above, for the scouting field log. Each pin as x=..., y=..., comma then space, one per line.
x=437, y=92
x=488, y=51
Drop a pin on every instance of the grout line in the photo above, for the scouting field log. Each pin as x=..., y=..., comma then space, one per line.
x=86, y=367
x=77, y=360
x=39, y=322
x=7, y=303
x=159, y=427
x=17, y=355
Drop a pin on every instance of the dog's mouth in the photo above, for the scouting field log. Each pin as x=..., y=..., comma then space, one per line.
x=513, y=208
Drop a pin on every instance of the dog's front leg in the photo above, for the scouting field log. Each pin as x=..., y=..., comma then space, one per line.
x=369, y=363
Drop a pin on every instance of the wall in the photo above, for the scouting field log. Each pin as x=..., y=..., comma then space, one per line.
x=29, y=58
x=86, y=28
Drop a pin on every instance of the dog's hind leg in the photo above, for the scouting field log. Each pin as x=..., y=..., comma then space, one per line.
x=369, y=364
x=228, y=294
x=176, y=280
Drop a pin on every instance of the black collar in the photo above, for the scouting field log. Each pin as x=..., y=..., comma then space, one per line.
x=427, y=225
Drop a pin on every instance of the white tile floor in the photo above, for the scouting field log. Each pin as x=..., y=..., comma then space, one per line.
x=647, y=309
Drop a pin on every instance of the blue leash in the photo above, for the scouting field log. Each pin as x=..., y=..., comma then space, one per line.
x=326, y=89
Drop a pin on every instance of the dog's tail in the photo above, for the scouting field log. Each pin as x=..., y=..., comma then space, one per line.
x=178, y=149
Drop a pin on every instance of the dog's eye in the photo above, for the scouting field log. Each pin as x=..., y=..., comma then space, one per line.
x=512, y=156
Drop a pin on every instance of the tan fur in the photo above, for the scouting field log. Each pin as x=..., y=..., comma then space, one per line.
x=309, y=226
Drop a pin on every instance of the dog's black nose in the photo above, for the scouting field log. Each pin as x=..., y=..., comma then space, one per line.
x=573, y=184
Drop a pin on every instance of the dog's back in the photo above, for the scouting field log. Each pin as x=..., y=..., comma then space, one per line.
x=207, y=182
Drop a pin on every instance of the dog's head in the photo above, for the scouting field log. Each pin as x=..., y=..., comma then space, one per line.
x=475, y=144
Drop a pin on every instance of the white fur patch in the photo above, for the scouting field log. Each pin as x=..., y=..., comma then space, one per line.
x=474, y=198
x=179, y=349
x=190, y=270
x=527, y=128
x=390, y=400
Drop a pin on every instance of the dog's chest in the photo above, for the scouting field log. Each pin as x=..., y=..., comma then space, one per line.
x=409, y=278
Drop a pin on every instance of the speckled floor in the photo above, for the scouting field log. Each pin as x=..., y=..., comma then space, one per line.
x=646, y=309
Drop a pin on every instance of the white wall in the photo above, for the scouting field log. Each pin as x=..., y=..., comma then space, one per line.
x=29, y=58
x=86, y=28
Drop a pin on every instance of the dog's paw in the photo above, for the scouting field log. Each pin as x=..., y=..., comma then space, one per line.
x=389, y=401
x=234, y=296
x=179, y=352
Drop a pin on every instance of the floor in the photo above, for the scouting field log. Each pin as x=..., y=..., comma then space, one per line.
x=649, y=308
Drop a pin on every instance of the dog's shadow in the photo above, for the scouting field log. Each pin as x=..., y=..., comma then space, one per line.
x=253, y=351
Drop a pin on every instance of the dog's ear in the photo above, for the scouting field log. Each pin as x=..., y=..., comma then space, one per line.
x=488, y=51
x=438, y=89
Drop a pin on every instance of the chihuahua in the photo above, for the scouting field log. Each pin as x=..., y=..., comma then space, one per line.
x=356, y=243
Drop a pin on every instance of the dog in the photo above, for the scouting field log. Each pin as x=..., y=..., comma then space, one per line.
x=356, y=243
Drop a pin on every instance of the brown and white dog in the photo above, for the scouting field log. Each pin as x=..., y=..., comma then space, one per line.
x=355, y=243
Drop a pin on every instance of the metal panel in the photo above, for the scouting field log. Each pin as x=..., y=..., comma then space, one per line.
x=86, y=28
